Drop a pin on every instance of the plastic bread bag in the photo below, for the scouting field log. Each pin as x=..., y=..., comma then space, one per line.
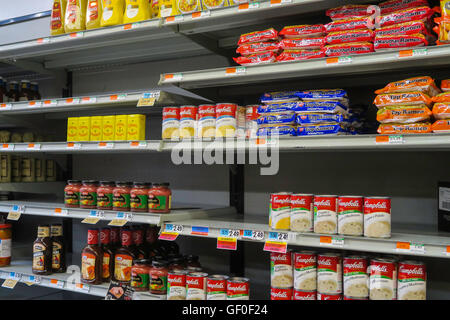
x=279, y=97
x=445, y=85
x=255, y=59
x=277, y=107
x=345, y=49
x=321, y=129
x=398, y=128
x=390, y=6
x=302, y=43
x=259, y=36
x=257, y=47
x=441, y=110
x=276, y=130
x=321, y=106
x=303, y=31
x=403, y=114
x=315, y=118
x=349, y=24
x=404, y=98
x=423, y=84
x=441, y=126
x=350, y=36
x=399, y=41
x=406, y=28
x=296, y=55
x=322, y=94
x=349, y=11
x=442, y=97
x=287, y=118
x=412, y=14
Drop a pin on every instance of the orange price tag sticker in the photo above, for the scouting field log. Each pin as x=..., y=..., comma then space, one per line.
x=48, y=103
x=127, y=26
x=243, y=6
x=76, y=35
x=403, y=246
x=260, y=141
x=226, y=243
x=325, y=239
x=173, y=76
x=275, y=246
x=43, y=40
x=412, y=53
x=201, y=14
x=405, y=53
x=57, y=283
x=235, y=71
x=62, y=212
x=33, y=146
x=107, y=145
x=113, y=97
x=7, y=146
x=5, y=106
x=389, y=139
x=332, y=60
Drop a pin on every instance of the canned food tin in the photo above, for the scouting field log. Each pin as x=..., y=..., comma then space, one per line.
x=226, y=123
x=216, y=287
x=377, y=217
x=281, y=270
x=305, y=271
x=188, y=121
x=207, y=121
x=196, y=286
x=304, y=295
x=280, y=210
x=280, y=293
x=302, y=212
x=329, y=273
x=355, y=298
x=238, y=288
x=356, y=277
x=170, y=123
x=176, y=285
x=324, y=296
x=325, y=214
x=383, y=279
x=350, y=215
x=412, y=280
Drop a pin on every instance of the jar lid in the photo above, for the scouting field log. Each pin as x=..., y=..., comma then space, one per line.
x=159, y=263
x=90, y=182
x=5, y=226
x=140, y=184
x=109, y=183
x=142, y=261
x=177, y=260
x=123, y=183
x=73, y=181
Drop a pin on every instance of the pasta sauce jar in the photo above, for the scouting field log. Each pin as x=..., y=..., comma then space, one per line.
x=105, y=195
x=139, y=197
x=72, y=194
x=88, y=194
x=140, y=273
x=5, y=244
x=158, y=277
x=121, y=196
x=159, y=198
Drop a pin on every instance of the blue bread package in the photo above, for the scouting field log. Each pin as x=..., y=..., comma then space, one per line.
x=314, y=118
x=279, y=97
x=325, y=94
x=284, y=130
x=277, y=118
x=320, y=129
x=277, y=107
x=320, y=107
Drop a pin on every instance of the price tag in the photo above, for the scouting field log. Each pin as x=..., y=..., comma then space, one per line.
x=71, y=101
x=130, y=26
x=94, y=217
x=447, y=251
x=7, y=146
x=50, y=103
x=417, y=248
x=248, y=6
x=33, y=146
x=73, y=145
x=199, y=231
x=13, y=216
x=106, y=145
x=116, y=97
x=253, y=235
x=338, y=60
x=279, y=236
x=43, y=40
x=148, y=99
x=173, y=19
x=412, y=53
x=121, y=219
x=77, y=35
x=279, y=2
x=178, y=228
x=230, y=233
x=86, y=100
x=395, y=139
x=173, y=76
x=61, y=212
x=169, y=236
x=275, y=246
x=31, y=279
x=409, y=247
x=235, y=71
x=226, y=243
x=138, y=144
x=34, y=104
x=332, y=241
x=5, y=106
x=82, y=287
x=9, y=283
x=201, y=14
x=14, y=276
x=56, y=283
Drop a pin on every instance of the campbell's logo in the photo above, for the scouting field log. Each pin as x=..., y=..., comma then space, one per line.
x=325, y=262
x=224, y=109
x=351, y=203
x=217, y=285
x=193, y=282
x=309, y=296
x=323, y=203
x=171, y=112
x=378, y=205
x=282, y=200
x=279, y=294
x=176, y=279
x=283, y=258
x=238, y=288
x=378, y=268
x=305, y=260
x=211, y=110
x=414, y=271
x=298, y=201
x=187, y=112
x=354, y=265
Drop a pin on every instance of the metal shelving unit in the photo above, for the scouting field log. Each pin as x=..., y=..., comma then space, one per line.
x=52, y=209
x=34, y=187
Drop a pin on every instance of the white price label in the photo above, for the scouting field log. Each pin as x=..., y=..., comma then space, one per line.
x=230, y=233
x=34, y=104
x=72, y=145
x=50, y=103
x=15, y=276
x=86, y=100
x=173, y=77
x=279, y=2
x=177, y=228
x=106, y=145
x=81, y=287
x=31, y=279
x=5, y=106
x=235, y=71
x=417, y=248
x=248, y=6
x=34, y=146
x=71, y=101
x=56, y=283
x=201, y=14
x=279, y=236
x=138, y=144
x=253, y=235
x=174, y=19
x=61, y=212
x=7, y=146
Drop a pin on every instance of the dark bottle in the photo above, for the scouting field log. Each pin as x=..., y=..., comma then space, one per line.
x=123, y=258
x=13, y=91
x=25, y=93
x=42, y=251
x=35, y=90
x=3, y=91
x=108, y=254
x=59, y=249
x=138, y=239
x=92, y=259
x=115, y=238
x=151, y=235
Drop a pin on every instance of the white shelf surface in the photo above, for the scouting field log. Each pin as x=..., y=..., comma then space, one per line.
x=386, y=61
x=52, y=209
x=21, y=270
x=435, y=243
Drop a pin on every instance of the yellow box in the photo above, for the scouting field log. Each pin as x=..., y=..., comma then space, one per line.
x=84, y=128
x=72, y=129
x=136, y=127
x=121, y=127
x=96, y=128
x=109, y=128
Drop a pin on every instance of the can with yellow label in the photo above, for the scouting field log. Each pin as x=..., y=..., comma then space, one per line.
x=84, y=128
x=121, y=127
x=136, y=127
x=96, y=128
x=109, y=128
x=72, y=129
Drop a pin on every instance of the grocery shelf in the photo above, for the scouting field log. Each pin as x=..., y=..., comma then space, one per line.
x=48, y=187
x=57, y=209
x=386, y=61
x=21, y=270
x=435, y=244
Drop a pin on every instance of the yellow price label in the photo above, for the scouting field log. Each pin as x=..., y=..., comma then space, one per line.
x=90, y=220
x=14, y=216
x=10, y=283
x=146, y=102
x=117, y=222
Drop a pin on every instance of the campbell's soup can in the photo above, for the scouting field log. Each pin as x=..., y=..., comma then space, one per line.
x=216, y=287
x=305, y=271
x=251, y=123
x=207, y=121
x=377, y=217
x=281, y=270
x=171, y=123
x=280, y=293
x=176, y=285
x=302, y=212
x=325, y=214
x=238, y=288
x=350, y=215
x=304, y=295
x=196, y=286
x=188, y=121
x=226, y=123
x=280, y=210
x=329, y=273
x=383, y=279
x=356, y=277
x=412, y=280
x=325, y=296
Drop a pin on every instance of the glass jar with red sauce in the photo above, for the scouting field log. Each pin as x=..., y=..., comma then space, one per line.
x=139, y=197
x=140, y=275
x=121, y=196
x=88, y=194
x=105, y=195
x=159, y=198
x=5, y=244
x=72, y=194
x=158, y=277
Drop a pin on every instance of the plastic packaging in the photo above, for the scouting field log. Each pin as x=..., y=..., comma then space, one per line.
x=351, y=48
x=75, y=17
x=445, y=85
x=441, y=110
x=259, y=36
x=442, y=97
x=136, y=10
x=403, y=114
x=294, y=55
x=424, y=127
x=349, y=36
x=423, y=84
x=277, y=107
x=321, y=106
x=349, y=11
x=93, y=14
x=441, y=126
x=320, y=129
x=324, y=94
x=398, y=5
x=277, y=118
x=57, y=17
x=258, y=47
x=302, y=43
x=349, y=24
x=254, y=59
x=112, y=12
x=279, y=97
x=399, y=41
x=315, y=118
x=276, y=130
x=412, y=14
x=404, y=98
x=303, y=31
x=406, y=28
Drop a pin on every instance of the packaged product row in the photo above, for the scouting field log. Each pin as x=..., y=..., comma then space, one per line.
x=118, y=196
x=13, y=91
x=306, y=275
x=331, y=214
x=15, y=136
x=26, y=169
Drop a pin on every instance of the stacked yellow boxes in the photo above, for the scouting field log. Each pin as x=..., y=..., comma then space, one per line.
x=106, y=128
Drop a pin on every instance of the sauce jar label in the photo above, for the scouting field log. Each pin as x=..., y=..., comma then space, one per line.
x=56, y=256
x=105, y=267
x=39, y=257
x=88, y=266
x=104, y=200
x=88, y=198
x=72, y=198
x=121, y=200
x=158, y=283
x=139, y=201
x=122, y=267
x=159, y=202
x=139, y=280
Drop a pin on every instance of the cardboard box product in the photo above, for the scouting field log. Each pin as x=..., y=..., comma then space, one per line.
x=28, y=170
x=84, y=128
x=136, y=127
x=16, y=166
x=72, y=129
x=5, y=168
x=121, y=127
x=96, y=128
x=40, y=170
x=50, y=169
x=109, y=128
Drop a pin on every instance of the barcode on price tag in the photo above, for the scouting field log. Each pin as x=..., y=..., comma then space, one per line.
x=279, y=2
x=338, y=60
x=73, y=145
x=173, y=76
x=235, y=71
x=394, y=139
x=253, y=235
x=230, y=233
x=15, y=276
x=174, y=228
x=138, y=144
x=31, y=279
